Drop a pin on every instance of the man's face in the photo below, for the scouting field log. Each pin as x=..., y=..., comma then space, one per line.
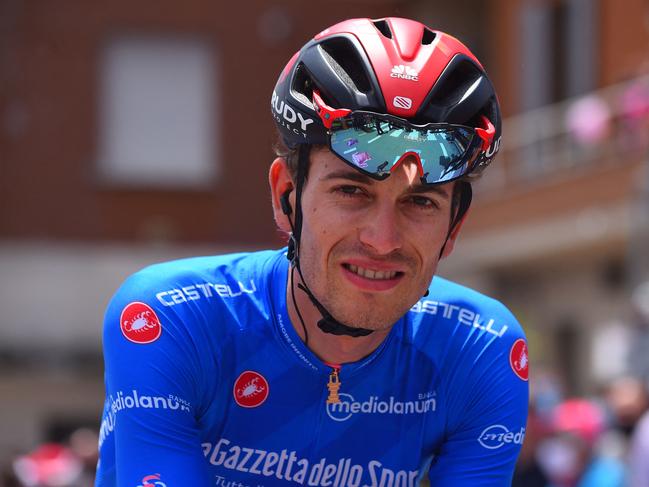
x=369, y=249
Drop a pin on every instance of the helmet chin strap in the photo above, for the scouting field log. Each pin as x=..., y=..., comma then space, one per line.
x=329, y=324
x=466, y=195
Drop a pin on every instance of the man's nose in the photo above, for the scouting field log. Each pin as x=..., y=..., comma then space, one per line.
x=380, y=230
x=408, y=158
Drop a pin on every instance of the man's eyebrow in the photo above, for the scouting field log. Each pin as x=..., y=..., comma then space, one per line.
x=430, y=188
x=350, y=174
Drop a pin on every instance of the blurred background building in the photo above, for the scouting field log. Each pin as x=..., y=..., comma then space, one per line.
x=132, y=133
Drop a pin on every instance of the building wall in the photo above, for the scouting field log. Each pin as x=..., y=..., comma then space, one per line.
x=50, y=64
x=627, y=24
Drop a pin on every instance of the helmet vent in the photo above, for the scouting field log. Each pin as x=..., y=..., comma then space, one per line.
x=341, y=55
x=383, y=28
x=302, y=86
x=455, y=84
x=428, y=37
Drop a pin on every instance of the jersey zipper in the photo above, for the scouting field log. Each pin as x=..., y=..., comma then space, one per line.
x=333, y=385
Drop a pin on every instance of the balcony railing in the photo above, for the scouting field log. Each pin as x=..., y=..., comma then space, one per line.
x=607, y=126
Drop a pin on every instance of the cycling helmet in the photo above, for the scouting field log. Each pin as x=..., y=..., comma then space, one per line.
x=391, y=66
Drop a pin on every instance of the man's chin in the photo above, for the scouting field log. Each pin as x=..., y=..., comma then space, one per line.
x=378, y=313
x=370, y=320
x=371, y=311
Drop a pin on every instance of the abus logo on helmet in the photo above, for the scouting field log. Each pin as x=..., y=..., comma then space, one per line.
x=139, y=323
x=497, y=435
x=287, y=116
x=404, y=72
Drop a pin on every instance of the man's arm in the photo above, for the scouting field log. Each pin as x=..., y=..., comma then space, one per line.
x=149, y=431
x=488, y=426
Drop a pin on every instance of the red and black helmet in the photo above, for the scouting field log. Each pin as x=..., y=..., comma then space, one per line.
x=389, y=66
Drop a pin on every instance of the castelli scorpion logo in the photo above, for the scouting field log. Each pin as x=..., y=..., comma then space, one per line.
x=250, y=389
x=139, y=323
x=519, y=359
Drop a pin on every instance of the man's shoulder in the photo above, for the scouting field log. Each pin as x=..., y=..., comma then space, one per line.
x=199, y=281
x=193, y=295
x=475, y=341
x=455, y=312
x=210, y=269
x=456, y=299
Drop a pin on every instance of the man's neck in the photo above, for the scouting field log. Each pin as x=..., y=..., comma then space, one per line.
x=330, y=348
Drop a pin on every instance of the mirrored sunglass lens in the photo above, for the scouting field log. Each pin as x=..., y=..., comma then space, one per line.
x=375, y=145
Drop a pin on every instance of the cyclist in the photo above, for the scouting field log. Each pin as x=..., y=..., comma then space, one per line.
x=340, y=360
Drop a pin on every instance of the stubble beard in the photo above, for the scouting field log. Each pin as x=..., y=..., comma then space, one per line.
x=360, y=310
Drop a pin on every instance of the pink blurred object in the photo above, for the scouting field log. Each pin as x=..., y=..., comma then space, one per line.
x=634, y=115
x=50, y=465
x=588, y=120
x=635, y=103
x=579, y=417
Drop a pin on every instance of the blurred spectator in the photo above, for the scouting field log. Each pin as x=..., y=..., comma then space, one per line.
x=639, y=454
x=528, y=471
x=49, y=465
x=570, y=458
x=8, y=477
x=634, y=114
x=548, y=392
x=638, y=353
x=83, y=443
x=588, y=120
x=58, y=465
x=627, y=401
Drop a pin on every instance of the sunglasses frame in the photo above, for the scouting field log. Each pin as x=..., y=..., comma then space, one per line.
x=331, y=116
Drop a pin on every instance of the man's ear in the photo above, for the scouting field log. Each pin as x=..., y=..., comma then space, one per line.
x=450, y=243
x=281, y=189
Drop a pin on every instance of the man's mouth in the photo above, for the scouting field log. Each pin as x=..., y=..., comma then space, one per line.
x=375, y=275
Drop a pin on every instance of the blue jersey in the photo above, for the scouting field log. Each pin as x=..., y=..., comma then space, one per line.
x=208, y=384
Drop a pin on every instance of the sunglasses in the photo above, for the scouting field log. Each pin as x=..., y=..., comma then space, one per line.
x=376, y=144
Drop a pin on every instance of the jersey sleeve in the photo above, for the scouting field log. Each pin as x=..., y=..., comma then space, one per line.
x=488, y=389
x=149, y=433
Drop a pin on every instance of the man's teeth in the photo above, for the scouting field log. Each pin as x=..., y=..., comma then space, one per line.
x=370, y=274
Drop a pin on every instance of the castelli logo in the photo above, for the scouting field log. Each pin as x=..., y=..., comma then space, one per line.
x=519, y=359
x=250, y=389
x=139, y=323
